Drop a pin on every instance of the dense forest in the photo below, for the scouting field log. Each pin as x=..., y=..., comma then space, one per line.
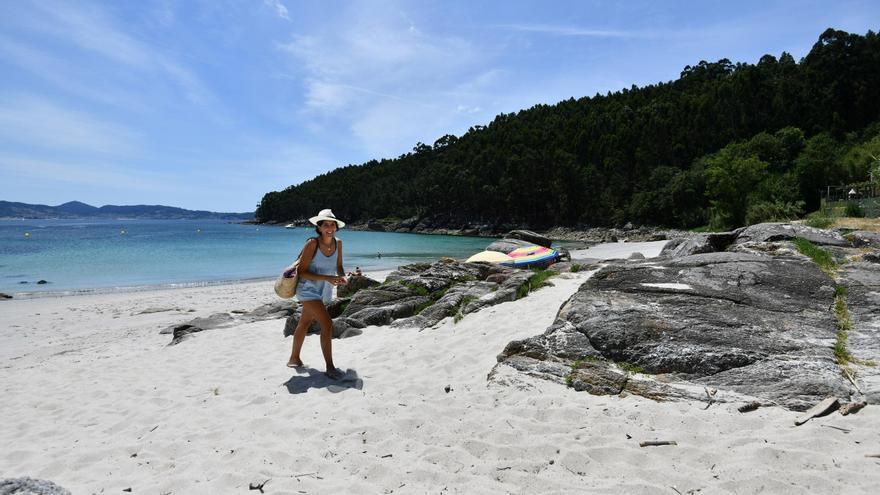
x=725, y=144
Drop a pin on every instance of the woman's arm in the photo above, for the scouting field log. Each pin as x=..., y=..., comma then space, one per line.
x=339, y=269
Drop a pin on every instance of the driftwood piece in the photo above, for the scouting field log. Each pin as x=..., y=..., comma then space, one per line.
x=255, y=486
x=852, y=408
x=824, y=407
x=656, y=443
x=872, y=455
x=852, y=380
x=751, y=406
x=710, y=394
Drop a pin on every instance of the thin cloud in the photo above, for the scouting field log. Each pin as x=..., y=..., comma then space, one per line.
x=376, y=73
x=91, y=29
x=575, y=31
x=67, y=77
x=42, y=124
x=83, y=172
x=278, y=7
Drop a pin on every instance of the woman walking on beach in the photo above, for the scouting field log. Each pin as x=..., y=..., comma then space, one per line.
x=320, y=269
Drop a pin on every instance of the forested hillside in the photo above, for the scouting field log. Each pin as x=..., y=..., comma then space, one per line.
x=724, y=144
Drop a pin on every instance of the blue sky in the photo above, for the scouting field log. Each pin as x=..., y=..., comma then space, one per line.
x=209, y=104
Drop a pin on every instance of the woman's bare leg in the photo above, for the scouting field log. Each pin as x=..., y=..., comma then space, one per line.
x=319, y=312
x=299, y=335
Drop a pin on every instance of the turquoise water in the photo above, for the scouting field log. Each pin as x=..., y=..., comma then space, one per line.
x=78, y=255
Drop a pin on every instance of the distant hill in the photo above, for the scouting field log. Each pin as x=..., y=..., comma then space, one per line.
x=77, y=209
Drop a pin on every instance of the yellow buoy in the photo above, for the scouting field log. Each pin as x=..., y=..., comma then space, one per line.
x=27, y=234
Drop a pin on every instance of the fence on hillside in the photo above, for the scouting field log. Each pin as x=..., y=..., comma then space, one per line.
x=839, y=201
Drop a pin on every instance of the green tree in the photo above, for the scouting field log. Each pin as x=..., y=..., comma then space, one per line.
x=729, y=183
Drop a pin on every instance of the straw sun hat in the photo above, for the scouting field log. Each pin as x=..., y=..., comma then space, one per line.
x=327, y=215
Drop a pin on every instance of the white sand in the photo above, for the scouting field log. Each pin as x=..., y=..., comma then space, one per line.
x=93, y=399
x=619, y=250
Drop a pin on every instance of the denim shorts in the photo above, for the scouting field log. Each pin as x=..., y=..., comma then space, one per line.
x=314, y=290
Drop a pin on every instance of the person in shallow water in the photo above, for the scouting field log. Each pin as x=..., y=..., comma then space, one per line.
x=320, y=269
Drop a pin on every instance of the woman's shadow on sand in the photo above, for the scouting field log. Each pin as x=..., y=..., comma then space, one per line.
x=299, y=383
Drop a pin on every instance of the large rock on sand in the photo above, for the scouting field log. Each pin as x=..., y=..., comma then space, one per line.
x=529, y=236
x=507, y=245
x=355, y=284
x=751, y=325
x=698, y=244
x=769, y=232
x=416, y=295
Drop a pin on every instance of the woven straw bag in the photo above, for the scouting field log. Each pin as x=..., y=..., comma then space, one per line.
x=285, y=285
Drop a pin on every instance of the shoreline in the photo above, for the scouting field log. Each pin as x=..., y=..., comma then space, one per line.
x=627, y=233
x=378, y=275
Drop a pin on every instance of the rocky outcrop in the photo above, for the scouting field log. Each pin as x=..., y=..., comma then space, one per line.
x=270, y=311
x=861, y=238
x=755, y=321
x=469, y=297
x=421, y=295
x=442, y=224
x=595, y=235
x=700, y=243
x=507, y=245
x=30, y=486
x=529, y=236
x=417, y=295
x=769, y=232
x=355, y=283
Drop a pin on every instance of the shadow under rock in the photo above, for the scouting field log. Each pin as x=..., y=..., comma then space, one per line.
x=300, y=384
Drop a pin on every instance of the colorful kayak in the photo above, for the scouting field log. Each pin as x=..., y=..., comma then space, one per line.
x=532, y=256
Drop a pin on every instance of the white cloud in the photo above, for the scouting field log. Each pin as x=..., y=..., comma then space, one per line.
x=40, y=123
x=327, y=96
x=278, y=7
x=91, y=29
x=68, y=77
x=390, y=82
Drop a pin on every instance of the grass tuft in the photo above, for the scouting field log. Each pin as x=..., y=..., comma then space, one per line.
x=536, y=281
x=575, y=267
x=418, y=289
x=819, y=256
x=630, y=368
x=844, y=326
x=818, y=221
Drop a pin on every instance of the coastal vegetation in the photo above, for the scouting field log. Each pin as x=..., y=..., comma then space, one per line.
x=723, y=145
x=820, y=256
x=537, y=280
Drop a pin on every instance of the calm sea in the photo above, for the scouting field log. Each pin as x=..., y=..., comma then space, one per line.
x=78, y=255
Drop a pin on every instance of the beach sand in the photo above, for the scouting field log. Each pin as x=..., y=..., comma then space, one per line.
x=95, y=400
